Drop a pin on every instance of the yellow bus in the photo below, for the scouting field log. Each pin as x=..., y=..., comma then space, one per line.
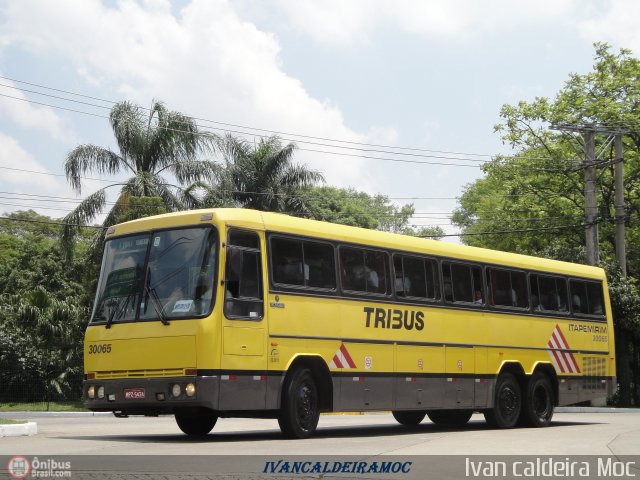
x=238, y=313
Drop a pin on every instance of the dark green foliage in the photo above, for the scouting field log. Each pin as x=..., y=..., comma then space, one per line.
x=44, y=307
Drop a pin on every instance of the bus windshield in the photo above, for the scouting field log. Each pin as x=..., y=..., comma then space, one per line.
x=161, y=275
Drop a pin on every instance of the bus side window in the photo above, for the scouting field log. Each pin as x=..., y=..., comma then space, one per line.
x=552, y=293
x=462, y=283
x=364, y=270
x=243, y=279
x=507, y=288
x=586, y=297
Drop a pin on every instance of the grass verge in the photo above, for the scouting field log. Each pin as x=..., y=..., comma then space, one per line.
x=6, y=421
x=43, y=407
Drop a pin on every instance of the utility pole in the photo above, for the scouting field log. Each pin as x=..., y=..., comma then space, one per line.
x=590, y=201
x=621, y=255
x=589, y=132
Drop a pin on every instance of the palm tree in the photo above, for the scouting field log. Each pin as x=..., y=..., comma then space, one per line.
x=152, y=144
x=261, y=176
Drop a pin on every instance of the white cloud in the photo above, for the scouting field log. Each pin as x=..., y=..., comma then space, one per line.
x=17, y=173
x=618, y=24
x=338, y=22
x=206, y=62
x=29, y=115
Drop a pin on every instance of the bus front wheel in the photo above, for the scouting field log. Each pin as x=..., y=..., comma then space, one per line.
x=450, y=418
x=507, y=402
x=408, y=417
x=537, y=401
x=299, y=411
x=196, y=424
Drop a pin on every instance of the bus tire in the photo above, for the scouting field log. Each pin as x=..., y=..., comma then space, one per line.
x=411, y=418
x=196, y=424
x=537, y=401
x=507, y=402
x=450, y=418
x=299, y=411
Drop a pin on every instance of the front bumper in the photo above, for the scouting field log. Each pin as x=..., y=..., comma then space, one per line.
x=157, y=397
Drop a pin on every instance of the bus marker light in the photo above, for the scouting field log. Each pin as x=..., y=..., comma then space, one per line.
x=176, y=390
x=358, y=379
x=190, y=389
x=260, y=377
x=410, y=379
x=160, y=396
x=190, y=372
x=91, y=376
x=111, y=397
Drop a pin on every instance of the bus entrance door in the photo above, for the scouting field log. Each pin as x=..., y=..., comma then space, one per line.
x=243, y=380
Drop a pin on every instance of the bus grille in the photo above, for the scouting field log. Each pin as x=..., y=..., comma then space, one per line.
x=161, y=372
x=594, y=369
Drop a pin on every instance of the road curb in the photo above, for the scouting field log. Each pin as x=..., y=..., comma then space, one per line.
x=596, y=410
x=19, y=430
x=32, y=414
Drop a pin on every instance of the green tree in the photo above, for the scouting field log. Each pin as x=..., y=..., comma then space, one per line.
x=532, y=202
x=44, y=306
x=154, y=147
x=348, y=206
x=261, y=176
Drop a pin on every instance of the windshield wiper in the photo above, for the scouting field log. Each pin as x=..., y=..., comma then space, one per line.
x=117, y=312
x=157, y=304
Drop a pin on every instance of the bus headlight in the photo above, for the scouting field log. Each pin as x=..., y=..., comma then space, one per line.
x=176, y=390
x=190, y=389
x=91, y=392
x=101, y=391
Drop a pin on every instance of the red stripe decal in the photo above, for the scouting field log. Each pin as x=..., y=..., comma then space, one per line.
x=566, y=345
x=336, y=360
x=347, y=357
x=558, y=362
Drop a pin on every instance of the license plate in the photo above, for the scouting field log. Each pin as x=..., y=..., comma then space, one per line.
x=130, y=393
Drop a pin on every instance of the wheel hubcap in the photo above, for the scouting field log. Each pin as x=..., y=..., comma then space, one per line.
x=541, y=402
x=306, y=406
x=509, y=402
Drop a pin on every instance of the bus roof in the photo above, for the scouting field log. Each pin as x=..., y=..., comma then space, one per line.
x=277, y=222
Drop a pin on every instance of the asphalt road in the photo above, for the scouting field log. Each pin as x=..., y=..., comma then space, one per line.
x=369, y=435
x=105, y=447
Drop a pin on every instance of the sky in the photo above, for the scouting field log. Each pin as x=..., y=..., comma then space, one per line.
x=422, y=79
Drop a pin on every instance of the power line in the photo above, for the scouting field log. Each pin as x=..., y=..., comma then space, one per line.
x=51, y=223
x=457, y=157
x=504, y=232
x=252, y=128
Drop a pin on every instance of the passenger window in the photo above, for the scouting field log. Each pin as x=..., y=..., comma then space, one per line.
x=414, y=277
x=507, y=288
x=243, y=280
x=462, y=283
x=303, y=263
x=549, y=293
x=586, y=298
x=364, y=270
x=286, y=256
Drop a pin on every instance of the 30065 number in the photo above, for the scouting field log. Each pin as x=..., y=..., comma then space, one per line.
x=100, y=348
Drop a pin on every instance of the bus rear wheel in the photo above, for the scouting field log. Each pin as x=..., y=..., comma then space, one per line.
x=450, y=418
x=196, y=423
x=537, y=401
x=507, y=402
x=299, y=411
x=408, y=417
